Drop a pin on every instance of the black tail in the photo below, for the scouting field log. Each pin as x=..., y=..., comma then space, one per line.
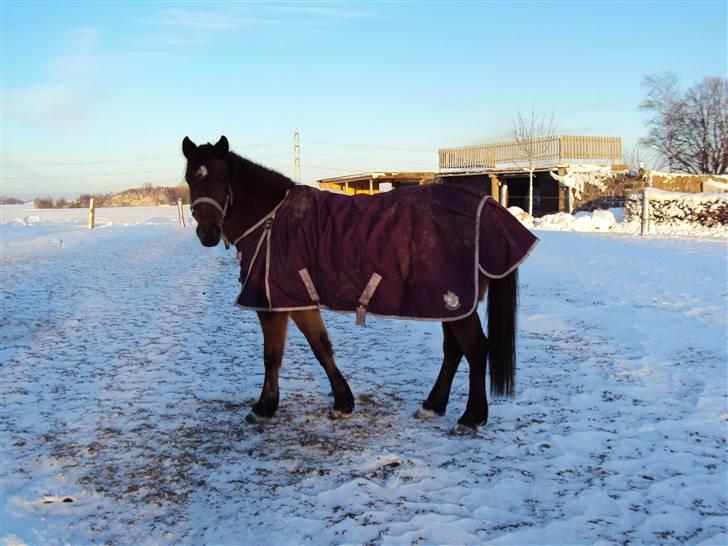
x=502, y=306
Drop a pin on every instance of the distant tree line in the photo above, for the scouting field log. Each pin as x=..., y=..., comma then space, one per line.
x=10, y=201
x=148, y=195
x=688, y=130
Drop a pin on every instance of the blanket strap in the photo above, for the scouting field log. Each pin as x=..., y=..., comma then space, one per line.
x=366, y=295
x=308, y=283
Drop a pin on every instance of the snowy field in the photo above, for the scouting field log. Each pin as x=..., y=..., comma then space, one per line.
x=126, y=374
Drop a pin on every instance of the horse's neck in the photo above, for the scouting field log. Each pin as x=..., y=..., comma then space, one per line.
x=251, y=203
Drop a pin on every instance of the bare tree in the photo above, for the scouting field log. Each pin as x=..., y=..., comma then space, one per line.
x=690, y=130
x=532, y=137
x=639, y=157
x=705, y=134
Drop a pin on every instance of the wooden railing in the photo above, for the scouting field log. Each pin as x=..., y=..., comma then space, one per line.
x=543, y=152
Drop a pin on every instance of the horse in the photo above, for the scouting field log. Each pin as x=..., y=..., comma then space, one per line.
x=246, y=205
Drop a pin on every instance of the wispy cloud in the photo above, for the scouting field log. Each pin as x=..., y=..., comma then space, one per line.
x=329, y=11
x=197, y=20
x=69, y=94
x=196, y=26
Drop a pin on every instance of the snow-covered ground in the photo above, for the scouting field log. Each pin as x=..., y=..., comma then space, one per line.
x=126, y=374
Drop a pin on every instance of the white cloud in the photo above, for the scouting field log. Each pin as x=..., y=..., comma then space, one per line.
x=197, y=20
x=195, y=26
x=69, y=95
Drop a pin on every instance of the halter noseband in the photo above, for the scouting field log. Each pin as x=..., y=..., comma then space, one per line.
x=210, y=201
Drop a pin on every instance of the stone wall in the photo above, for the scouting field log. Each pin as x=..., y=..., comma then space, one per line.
x=686, y=183
x=705, y=209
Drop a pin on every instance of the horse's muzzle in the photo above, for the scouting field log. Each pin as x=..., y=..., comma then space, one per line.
x=209, y=235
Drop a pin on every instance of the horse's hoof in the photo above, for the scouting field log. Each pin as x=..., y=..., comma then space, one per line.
x=336, y=415
x=423, y=413
x=464, y=430
x=255, y=419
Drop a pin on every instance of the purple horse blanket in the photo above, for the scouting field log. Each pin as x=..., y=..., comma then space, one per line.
x=410, y=253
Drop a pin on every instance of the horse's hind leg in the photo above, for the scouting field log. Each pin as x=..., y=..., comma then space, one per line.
x=274, y=326
x=312, y=326
x=472, y=340
x=440, y=394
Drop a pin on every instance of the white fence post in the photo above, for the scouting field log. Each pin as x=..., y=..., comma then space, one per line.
x=181, y=212
x=91, y=213
x=645, y=213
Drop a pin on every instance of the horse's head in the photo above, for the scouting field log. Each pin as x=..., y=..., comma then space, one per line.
x=210, y=190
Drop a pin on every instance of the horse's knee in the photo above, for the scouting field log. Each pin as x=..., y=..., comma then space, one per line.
x=321, y=345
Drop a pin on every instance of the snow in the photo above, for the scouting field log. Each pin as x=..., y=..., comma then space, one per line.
x=579, y=176
x=613, y=220
x=127, y=373
x=702, y=197
x=715, y=185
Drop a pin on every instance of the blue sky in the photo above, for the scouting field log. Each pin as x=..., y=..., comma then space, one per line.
x=97, y=96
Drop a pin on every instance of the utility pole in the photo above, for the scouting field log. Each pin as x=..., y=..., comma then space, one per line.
x=296, y=158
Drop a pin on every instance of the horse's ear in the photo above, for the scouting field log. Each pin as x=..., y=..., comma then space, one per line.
x=222, y=147
x=188, y=147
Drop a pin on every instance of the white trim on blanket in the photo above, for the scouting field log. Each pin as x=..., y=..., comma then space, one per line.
x=325, y=308
x=514, y=267
x=477, y=257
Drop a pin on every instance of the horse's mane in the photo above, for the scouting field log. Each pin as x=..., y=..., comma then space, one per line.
x=251, y=178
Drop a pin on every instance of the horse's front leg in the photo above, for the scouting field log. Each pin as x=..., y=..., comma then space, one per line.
x=312, y=326
x=274, y=326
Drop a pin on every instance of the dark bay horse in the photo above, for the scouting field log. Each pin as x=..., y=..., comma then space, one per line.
x=243, y=203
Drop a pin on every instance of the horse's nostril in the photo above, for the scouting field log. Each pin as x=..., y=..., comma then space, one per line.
x=208, y=235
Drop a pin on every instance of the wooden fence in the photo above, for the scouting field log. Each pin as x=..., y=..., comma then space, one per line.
x=543, y=152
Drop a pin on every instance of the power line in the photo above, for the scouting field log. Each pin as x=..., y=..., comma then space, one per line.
x=360, y=159
x=262, y=158
x=332, y=168
x=70, y=164
x=371, y=147
x=52, y=176
x=131, y=160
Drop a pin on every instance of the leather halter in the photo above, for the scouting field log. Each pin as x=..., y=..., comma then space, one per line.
x=210, y=201
x=223, y=210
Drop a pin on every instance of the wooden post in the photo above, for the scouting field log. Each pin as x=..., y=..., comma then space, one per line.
x=371, y=187
x=181, y=212
x=504, y=195
x=569, y=199
x=645, y=213
x=494, y=185
x=91, y=213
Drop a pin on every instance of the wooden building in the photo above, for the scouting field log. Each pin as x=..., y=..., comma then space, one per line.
x=374, y=182
x=491, y=167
